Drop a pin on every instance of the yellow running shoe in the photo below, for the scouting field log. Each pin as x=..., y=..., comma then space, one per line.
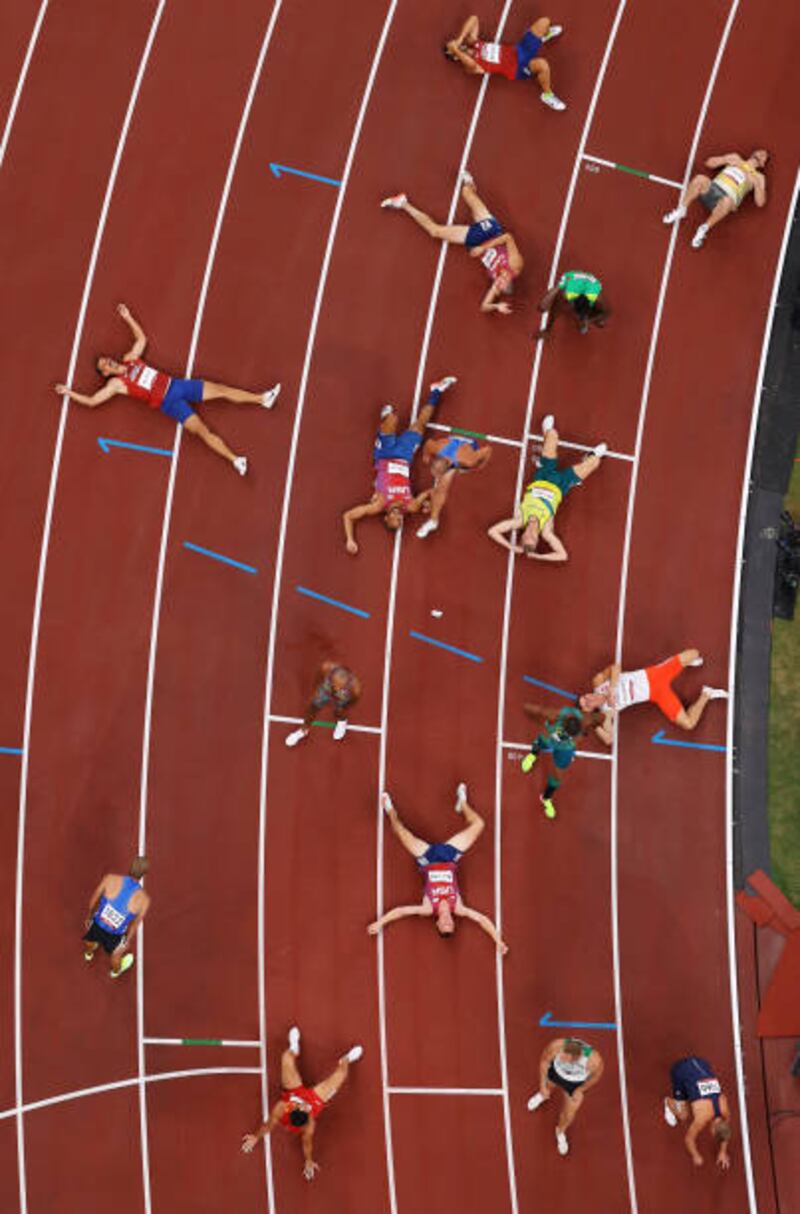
x=125, y=965
x=549, y=807
x=528, y=761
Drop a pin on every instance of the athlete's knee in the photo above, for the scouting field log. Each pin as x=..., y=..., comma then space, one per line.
x=437, y=230
x=683, y=722
x=540, y=26
x=537, y=66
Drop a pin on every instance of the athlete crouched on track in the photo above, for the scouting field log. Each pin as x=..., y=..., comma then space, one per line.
x=175, y=397
x=335, y=686
x=437, y=863
x=726, y=193
x=696, y=1088
x=581, y=293
x=116, y=909
x=300, y=1107
x=575, y=1067
x=614, y=690
x=393, y=456
x=519, y=62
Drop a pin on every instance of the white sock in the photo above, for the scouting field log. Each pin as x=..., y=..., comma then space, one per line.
x=294, y=1040
x=716, y=693
x=240, y=464
x=354, y=1053
x=561, y=1142
x=548, y=423
x=387, y=803
x=669, y=1116
x=386, y=410
x=600, y=450
x=697, y=662
x=461, y=796
x=536, y=1099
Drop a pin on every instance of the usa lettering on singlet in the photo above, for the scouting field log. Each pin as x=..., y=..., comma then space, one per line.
x=496, y=261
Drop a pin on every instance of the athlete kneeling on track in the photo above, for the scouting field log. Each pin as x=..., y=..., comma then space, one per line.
x=575, y=1067
x=695, y=1087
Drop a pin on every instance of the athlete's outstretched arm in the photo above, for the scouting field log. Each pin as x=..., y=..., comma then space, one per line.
x=351, y=517
x=139, y=335
x=266, y=1127
x=760, y=189
x=110, y=388
x=95, y=898
x=399, y=912
x=484, y=922
x=488, y=302
x=538, y=712
x=499, y=531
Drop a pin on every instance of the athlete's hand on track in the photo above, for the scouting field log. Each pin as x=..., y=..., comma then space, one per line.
x=502, y=948
x=723, y=1163
x=310, y=1169
x=505, y=308
x=61, y=389
x=248, y=1142
x=373, y=929
x=352, y=547
x=124, y=311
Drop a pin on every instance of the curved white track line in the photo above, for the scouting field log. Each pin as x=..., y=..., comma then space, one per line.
x=159, y=587
x=279, y=557
x=23, y=75
x=37, y=607
x=734, y=630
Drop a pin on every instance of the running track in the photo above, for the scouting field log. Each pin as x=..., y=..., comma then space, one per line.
x=142, y=680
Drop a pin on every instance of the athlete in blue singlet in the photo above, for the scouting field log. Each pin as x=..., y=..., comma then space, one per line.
x=447, y=457
x=695, y=1086
x=116, y=909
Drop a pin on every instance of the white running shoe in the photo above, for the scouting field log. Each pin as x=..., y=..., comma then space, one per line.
x=552, y=102
x=669, y=1116
x=553, y=32
x=395, y=202
x=387, y=803
x=535, y=1101
x=240, y=464
x=461, y=797
x=427, y=529
x=297, y=736
x=697, y=662
x=561, y=1143
x=294, y=1040
x=386, y=411
x=699, y=236
x=467, y=178
x=269, y=397
x=354, y=1053
x=600, y=450
x=548, y=423
x=442, y=385
x=340, y=730
x=672, y=216
x=715, y=693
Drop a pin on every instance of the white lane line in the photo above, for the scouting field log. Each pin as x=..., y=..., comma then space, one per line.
x=734, y=631
x=37, y=605
x=230, y=1042
x=524, y=747
x=299, y=721
x=279, y=558
x=624, y=590
x=526, y=430
x=529, y=438
x=82, y=1093
x=393, y=1091
x=539, y=438
x=23, y=75
x=609, y=164
x=162, y=556
x=387, y=668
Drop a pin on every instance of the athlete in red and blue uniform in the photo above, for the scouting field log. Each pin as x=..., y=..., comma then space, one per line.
x=441, y=898
x=116, y=909
x=175, y=397
x=519, y=62
x=696, y=1088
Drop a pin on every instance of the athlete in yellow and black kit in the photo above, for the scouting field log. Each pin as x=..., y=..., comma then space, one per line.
x=534, y=515
x=725, y=194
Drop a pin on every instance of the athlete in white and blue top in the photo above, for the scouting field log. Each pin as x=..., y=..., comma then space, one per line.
x=116, y=909
x=574, y=1066
x=696, y=1087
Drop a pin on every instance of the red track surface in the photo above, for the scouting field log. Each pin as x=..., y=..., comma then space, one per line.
x=177, y=753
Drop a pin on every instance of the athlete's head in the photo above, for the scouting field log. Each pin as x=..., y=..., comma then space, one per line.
x=591, y=701
x=585, y=310
x=505, y=281
x=591, y=719
x=298, y=1117
x=340, y=679
x=572, y=726
x=393, y=518
x=445, y=923
x=573, y=1047
x=759, y=157
x=139, y=867
x=721, y=1129
x=108, y=366
x=530, y=537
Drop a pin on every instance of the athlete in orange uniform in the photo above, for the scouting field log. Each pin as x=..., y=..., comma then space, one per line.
x=441, y=899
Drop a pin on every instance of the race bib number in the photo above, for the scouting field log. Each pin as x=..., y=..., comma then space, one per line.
x=708, y=1087
x=147, y=377
x=397, y=469
x=491, y=52
x=442, y=878
x=544, y=495
x=111, y=918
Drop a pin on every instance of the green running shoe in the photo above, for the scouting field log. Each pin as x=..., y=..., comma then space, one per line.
x=528, y=761
x=125, y=965
x=549, y=807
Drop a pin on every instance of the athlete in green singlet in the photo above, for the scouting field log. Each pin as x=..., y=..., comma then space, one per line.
x=557, y=739
x=581, y=292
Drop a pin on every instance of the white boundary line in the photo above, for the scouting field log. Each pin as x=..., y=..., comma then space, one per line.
x=445, y=1091
x=526, y=430
x=23, y=75
x=278, y=572
x=81, y=1093
x=628, y=171
x=581, y=754
x=530, y=438
x=737, y=580
x=159, y=586
x=37, y=606
x=273, y=717
x=190, y=1043
x=624, y=584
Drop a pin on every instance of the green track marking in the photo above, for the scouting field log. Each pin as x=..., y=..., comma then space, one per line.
x=201, y=1041
x=324, y=724
x=467, y=433
x=623, y=168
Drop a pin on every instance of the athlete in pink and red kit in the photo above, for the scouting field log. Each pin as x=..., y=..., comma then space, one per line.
x=441, y=898
x=519, y=62
x=175, y=397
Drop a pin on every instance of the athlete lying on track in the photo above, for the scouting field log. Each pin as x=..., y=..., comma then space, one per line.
x=484, y=238
x=300, y=1107
x=437, y=862
x=535, y=514
x=334, y=685
x=447, y=458
x=175, y=397
x=726, y=193
x=575, y=1067
x=519, y=62
x=580, y=292
x=117, y=907
x=614, y=690
x=393, y=455
x=695, y=1087
x=558, y=740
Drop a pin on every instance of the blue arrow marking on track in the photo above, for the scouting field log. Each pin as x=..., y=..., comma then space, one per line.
x=568, y=695
x=10, y=750
x=660, y=740
x=277, y=169
x=547, y=1021
x=107, y=443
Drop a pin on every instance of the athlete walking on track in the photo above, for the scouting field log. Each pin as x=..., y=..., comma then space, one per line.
x=484, y=238
x=116, y=909
x=726, y=193
x=575, y=1067
x=518, y=62
x=437, y=862
x=300, y=1107
x=696, y=1089
x=614, y=690
x=133, y=377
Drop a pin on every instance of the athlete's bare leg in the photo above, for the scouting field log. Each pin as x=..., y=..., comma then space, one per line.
x=326, y=1089
x=439, y=494
x=290, y=1074
x=569, y=1110
x=721, y=211
x=469, y=32
x=697, y=186
x=116, y=960
x=453, y=233
x=196, y=426
x=417, y=847
x=688, y=718
x=476, y=205
x=540, y=68
x=540, y=27
x=465, y=838
x=89, y=947
x=550, y=445
x=212, y=391
x=587, y=466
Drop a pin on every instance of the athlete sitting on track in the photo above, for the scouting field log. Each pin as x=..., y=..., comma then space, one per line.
x=581, y=293
x=175, y=397
x=558, y=740
x=334, y=685
x=393, y=455
x=520, y=62
x=484, y=238
x=615, y=689
x=726, y=193
x=575, y=1067
x=437, y=862
x=535, y=514
x=695, y=1085
x=117, y=908
x=300, y=1107
x=447, y=457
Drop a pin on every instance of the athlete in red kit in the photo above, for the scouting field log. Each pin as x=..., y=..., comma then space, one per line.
x=519, y=62
x=441, y=899
x=175, y=397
